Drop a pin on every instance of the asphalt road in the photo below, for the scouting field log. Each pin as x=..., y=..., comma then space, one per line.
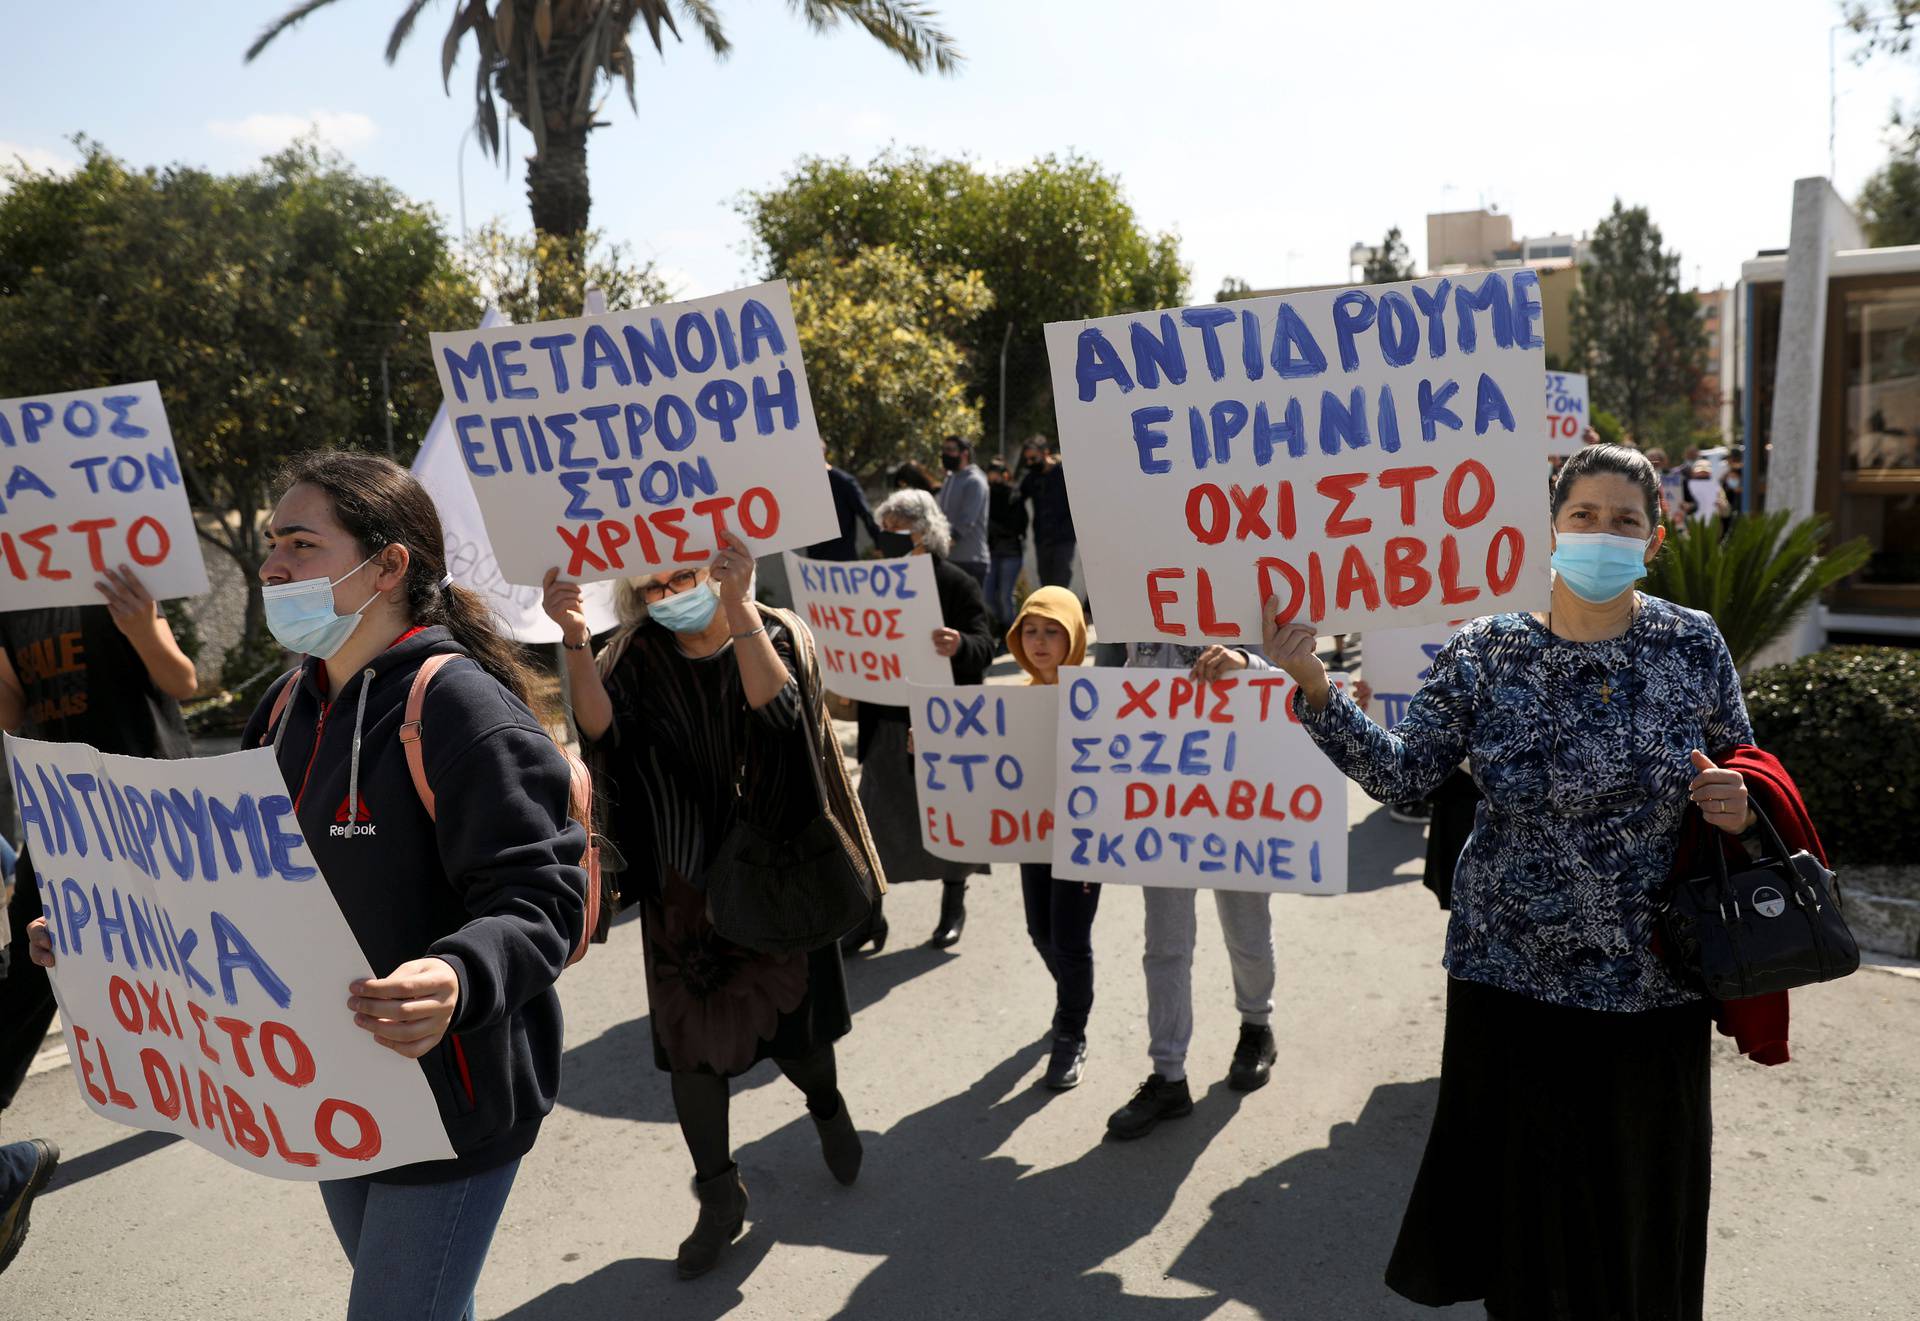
x=986, y=1196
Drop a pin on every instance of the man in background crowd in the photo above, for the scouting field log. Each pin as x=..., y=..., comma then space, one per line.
x=1006, y=542
x=850, y=507
x=963, y=499
x=1044, y=482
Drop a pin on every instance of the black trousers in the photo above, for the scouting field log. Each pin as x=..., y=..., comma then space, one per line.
x=1054, y=560
x=1060, y=924
x=26, y=996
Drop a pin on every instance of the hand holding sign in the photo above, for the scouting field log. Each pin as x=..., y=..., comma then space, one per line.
x=566, y=606
x=1216, y=662
x=732, y=568
x=1291, y=648
x=133, y=610
x=1721, y=795
x=409, y=1010
x=946, y=641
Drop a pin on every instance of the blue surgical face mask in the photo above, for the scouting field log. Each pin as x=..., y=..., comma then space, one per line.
x=301, y=617
x=688, y=612
x=1598, y=566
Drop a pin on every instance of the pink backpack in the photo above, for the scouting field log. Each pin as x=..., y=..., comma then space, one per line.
x=413, y=729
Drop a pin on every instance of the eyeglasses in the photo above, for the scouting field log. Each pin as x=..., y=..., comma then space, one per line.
x=678, y=583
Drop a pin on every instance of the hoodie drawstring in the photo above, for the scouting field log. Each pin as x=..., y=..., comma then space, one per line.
x=353, y=765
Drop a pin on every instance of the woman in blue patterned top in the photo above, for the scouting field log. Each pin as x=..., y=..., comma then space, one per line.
x=1566, y=1176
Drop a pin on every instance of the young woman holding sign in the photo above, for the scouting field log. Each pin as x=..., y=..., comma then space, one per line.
x=698, y=707
x=469, y=912
x=1567, y=1170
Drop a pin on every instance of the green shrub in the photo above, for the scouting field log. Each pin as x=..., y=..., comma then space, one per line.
x=1846, y=723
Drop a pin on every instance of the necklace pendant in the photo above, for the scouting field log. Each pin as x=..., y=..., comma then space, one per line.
x=1606, y=693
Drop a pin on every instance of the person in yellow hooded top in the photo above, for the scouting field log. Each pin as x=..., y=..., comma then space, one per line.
x=1050, y=633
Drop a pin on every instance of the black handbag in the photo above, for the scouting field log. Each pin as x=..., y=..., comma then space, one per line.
x=790, y=895
x=1772, y=927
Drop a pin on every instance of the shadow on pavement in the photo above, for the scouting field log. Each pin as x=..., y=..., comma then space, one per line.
x=1378, y=844
x=613, y=1075
x=1310, y=1237
x=104, y=1160
x=958, y=1229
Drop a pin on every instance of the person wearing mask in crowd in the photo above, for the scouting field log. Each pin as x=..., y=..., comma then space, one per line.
x=111, y=676
x=1733, y=480
x=1049, y=635
x=910, y=476
x=850, y=507
x=1006, y=541
x=1246, y=924
x=472, y=921
x=1567, y=1169
x=912, y=524
x=705, y=705
x=965, y=502
x=1043, y=483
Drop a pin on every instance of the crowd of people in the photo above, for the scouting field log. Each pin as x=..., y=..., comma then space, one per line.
x=1565, y=1179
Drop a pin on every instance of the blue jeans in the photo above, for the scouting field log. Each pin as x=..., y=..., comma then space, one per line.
x=1002, y=575
x=17, y=1160
x=421, y=1245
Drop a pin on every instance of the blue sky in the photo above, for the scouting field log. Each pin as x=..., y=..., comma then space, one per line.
x=1269, y=135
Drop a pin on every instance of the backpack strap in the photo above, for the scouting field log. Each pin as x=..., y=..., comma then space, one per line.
x=288, y=682
x=411, y=729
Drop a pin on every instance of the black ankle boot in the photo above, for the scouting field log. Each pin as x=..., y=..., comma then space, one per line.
x=874, y=929
x=953, y=915
x=723, y=1214
x=840, y=1143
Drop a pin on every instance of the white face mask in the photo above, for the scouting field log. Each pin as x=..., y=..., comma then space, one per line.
x=301, y=617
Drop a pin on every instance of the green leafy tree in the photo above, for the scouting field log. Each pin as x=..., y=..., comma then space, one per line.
x=1635, y=332
x=553, y=61
x=1889, y=202
x=1608, y=427
x=265, y=304
x=1756, y=579
x=1390, y=261
x=882, y=338
x=1054, y=240
x=528, y=274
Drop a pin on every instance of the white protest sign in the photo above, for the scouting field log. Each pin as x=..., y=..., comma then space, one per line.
x=201, y=965
x=1706, y=496
x=90, y=481
x=873, y=623
x=983, y=770
x=1165, y=781
x=1371, y=457
x=1566, y=412
x=1396, y=662
x=470, y=557
x=617, y=445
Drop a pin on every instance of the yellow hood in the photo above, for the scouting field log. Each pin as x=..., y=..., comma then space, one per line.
x=1063, y=608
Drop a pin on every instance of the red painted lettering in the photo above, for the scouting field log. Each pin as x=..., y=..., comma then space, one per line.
x=1407, y=578
x=1483, y=497
x=1341, y=488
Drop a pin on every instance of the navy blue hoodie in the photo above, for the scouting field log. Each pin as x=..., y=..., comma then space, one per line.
x=493, y=887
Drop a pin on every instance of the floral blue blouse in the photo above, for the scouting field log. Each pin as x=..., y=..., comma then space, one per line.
x=1581, y=750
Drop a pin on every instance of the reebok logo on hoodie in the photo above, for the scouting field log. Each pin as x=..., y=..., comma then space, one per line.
x=361, y=822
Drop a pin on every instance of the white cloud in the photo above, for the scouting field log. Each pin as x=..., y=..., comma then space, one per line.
x=270, y=132
x=14, y=154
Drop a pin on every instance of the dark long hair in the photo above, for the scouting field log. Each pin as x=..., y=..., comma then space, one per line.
x=1616, y=460
x=381, y=504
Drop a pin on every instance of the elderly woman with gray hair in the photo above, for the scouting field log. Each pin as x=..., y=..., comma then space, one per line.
x=911, y=524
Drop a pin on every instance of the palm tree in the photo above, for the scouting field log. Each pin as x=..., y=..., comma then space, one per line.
x=550, y=59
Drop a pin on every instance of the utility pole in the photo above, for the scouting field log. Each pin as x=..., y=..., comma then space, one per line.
x=1004, y=341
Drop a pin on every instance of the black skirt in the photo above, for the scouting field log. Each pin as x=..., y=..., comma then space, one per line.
x=1566, y=1177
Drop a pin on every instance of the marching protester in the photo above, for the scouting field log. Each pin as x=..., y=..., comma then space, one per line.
x=1246, y=924
x=912, y=524
x=1043, y=482
x=1050, y=635
x=467, y=914
x=705, y=709
x=112, y=676
x=964, y=500
x=1006, y=542
x=1567, y=1169
x=851, y=509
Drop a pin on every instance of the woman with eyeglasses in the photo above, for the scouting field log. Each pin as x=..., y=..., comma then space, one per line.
x=696, y=708
x=1566, y=1174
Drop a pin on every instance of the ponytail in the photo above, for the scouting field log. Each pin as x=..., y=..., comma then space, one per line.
x=381, y=504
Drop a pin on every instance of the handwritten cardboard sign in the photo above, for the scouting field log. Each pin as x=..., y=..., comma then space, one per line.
x=90, y=481
x=1566, y=412
x=873, y=622
x=618, y=445
x=1372, y=457
x=983, y=770
x=1165, y=781
x=469, y=550
x=201, y=965
x=1396, y=661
